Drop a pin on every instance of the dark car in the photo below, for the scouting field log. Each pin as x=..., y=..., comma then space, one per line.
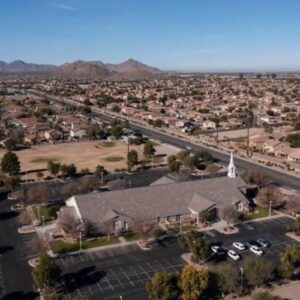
x=253, y=243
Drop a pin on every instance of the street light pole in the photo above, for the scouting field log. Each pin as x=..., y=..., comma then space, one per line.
x=39, y=216
x=270, y=208
x=80, y=241
x=242, y=274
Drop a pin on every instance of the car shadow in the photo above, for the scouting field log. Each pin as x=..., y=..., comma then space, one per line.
x=84, y=277
x=4, y=249
x=8, y=215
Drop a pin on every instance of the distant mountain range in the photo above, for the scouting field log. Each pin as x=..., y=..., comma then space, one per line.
x=85, y=69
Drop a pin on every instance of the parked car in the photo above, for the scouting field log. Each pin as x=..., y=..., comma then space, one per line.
x=215, y=248
x=233, y=255
x=256, y=250
x=263, y=243
x=239, y=246
x=253, y=243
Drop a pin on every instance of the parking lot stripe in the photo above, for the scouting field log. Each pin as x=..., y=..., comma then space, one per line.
x=142, y=269
x=170, y=265
x=137, y=276
x=120, y=282
x=107, y=281
x=91, y=292
x=65, y=288
x=127, y=276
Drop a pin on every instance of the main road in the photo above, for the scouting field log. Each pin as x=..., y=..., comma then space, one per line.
x=278, y=177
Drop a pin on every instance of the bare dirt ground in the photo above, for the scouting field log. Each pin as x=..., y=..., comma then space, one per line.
x=86, y=154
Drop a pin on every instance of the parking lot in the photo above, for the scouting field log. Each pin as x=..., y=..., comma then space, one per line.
x=109, y=274
x=271, y=230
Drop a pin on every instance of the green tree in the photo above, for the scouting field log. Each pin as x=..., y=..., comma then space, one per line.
x=297, y=125
x=182, y=155
x=258, y=270
x=116, y=131
x=173, y=163
x=163, y=286
x=68, y=170
x=204, y=156
x=10, y=163
x=46, y=273
x=196, y=244
x=193, y=282
x=10, y=144
x=100, y=170
x=12, y=182
x=149, y=149
x=289, y=259
x=132, y=159
x=227, y=278
x=53, y=168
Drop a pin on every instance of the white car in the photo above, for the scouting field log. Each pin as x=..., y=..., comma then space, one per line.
x=233, y=255
x=239, y=246
x=215, y=248
x=256, y=250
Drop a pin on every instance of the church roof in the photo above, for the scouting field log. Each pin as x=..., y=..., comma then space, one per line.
x=151, y=202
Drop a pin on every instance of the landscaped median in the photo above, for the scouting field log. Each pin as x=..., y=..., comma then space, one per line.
x=61, y=247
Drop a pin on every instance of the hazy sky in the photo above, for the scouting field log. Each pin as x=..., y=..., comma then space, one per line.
x=171, y=34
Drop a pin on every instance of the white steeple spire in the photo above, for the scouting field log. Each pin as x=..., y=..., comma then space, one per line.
x=231, y=167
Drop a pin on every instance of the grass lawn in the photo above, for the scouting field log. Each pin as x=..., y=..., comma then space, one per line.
x=114, y=158
x=48, y=211
x=60, y=247
x=259, y=212
x=183, y=228
x=131, y=236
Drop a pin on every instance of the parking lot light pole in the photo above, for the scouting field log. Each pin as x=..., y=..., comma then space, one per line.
x=80, y=241
x=39, y=216
x=242, y=274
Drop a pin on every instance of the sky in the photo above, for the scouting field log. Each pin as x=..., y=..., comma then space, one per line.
x=185, y=35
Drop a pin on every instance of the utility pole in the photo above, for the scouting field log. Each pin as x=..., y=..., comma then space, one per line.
x=242, y=274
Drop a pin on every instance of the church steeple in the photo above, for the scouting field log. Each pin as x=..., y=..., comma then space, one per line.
x=231, y=167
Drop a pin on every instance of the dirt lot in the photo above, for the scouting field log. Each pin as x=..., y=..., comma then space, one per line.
x=88, y=154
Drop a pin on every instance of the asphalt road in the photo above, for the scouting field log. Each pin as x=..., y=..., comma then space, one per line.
x=111, y=273
x=15, y=249
x=278, y=177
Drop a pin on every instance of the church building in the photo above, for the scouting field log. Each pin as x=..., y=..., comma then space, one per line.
x=160, y=204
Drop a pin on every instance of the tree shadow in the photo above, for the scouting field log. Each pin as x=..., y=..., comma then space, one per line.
x=20, y=296
x=8, y=215
x=84, y=277
x=4, y=249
